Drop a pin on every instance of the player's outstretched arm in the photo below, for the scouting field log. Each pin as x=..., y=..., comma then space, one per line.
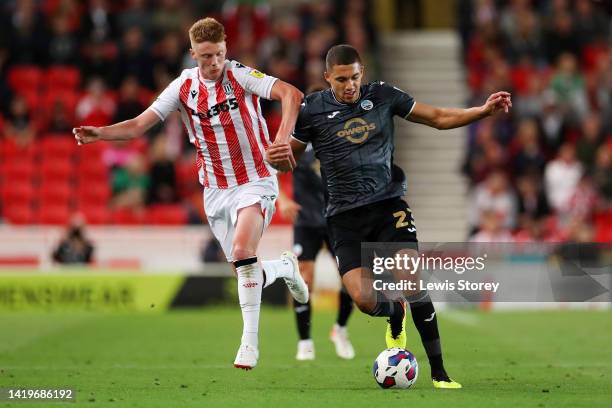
x=450, y=118
x=125, y=130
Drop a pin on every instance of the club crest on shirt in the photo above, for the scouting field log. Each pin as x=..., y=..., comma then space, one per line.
x=227, y=88
x=366, y=104
x=256, y=74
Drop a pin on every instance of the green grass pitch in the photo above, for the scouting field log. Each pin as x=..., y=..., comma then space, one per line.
x=184, y=359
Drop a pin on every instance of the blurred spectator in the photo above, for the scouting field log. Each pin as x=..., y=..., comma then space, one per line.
x=74, y=248
x=28, y=39
x=568, y=87
x=522, y=32
x=589, y=141
x=591, y=23
x=59, y=121
x=602, y=174
x=18, y=124
x=583, y=201
x=63, y=44
x=168, y=55
x=162, y=184
x=212, y=251
x=561, y=178
x=561, y=37
x=529, y=157
x=136, y=14
x=129, y=105
x=96, y=61
x=5, y=91
x=134, y=59
x=130, y=184
x=170, y=15
x=532, y=203
x=98, y=22
x=495, y=195
x=491, y=228
x=95, y=108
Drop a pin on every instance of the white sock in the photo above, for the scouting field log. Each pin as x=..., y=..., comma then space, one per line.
x=250, y=280
x=277, y=268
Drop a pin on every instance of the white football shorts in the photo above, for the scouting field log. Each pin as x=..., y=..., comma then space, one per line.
x=222, y=205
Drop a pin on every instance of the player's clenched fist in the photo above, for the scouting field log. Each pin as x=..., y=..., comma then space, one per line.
x=86, y=134
x=280, y=156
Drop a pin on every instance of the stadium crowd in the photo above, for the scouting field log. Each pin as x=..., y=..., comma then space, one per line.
x=543, y=173
x=68, y=62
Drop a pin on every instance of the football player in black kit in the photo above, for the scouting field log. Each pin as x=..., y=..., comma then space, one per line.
x=307, y=213
x=350, y=127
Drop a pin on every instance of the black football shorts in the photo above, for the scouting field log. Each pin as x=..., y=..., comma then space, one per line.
x=384, y=221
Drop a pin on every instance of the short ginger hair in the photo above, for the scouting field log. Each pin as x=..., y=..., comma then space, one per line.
x=207, y=29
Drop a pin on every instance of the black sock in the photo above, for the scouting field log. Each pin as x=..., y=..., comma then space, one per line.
x=302, y=317
x=424, y=318
x=386, y=307
x=345, y=308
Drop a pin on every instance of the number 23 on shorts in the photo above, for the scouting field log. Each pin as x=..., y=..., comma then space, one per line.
x=404, y=220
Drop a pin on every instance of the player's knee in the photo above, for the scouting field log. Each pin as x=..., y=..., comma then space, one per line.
x=240, y=251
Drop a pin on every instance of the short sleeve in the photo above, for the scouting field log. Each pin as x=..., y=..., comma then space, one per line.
x=252, y=80
x=168, y=101
x=402, y=103
x=303, y=125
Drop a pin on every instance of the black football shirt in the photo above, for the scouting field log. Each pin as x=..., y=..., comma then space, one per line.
x=354, y=143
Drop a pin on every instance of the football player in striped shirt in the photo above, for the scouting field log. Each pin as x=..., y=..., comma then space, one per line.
x=219, y=105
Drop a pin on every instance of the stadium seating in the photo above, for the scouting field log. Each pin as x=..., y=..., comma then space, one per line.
x=25, y=78
x=62, y=78
x=166, y=215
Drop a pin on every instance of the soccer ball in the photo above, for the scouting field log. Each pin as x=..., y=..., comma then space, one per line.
x=395, y=368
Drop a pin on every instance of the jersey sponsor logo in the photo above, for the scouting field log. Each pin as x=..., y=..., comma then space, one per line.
x=356, y=130
x=250, y=285
x=257, y=74
x=227, y=87
x=215, y=110
x=333, y=114
x=367, y=104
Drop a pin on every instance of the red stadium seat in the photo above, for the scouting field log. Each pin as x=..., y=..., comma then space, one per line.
x=54, y=214
x=126, y=216
x=25, y=77
x=10, y=151
x=56, y=194
x=54, y=170
x=63, y=77
x=58, y=146
x=68, y=98
x=95, y=214
x=92, y=174
x=166, y=214
x=17, y=194
x=91, y=152
x=14, y=171
x=94, y=194
x=19, y=215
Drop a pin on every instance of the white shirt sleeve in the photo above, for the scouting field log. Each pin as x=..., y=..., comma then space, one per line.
x=168, y=101
x=252, y=80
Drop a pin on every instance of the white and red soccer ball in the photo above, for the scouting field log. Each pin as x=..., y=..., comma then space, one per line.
x=395, y=368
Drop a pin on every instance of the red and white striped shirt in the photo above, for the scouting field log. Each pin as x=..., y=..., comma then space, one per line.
x=224, y=121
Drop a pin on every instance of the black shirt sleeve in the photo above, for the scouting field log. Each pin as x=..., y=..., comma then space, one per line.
x=401, y=102
x=303, y=125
